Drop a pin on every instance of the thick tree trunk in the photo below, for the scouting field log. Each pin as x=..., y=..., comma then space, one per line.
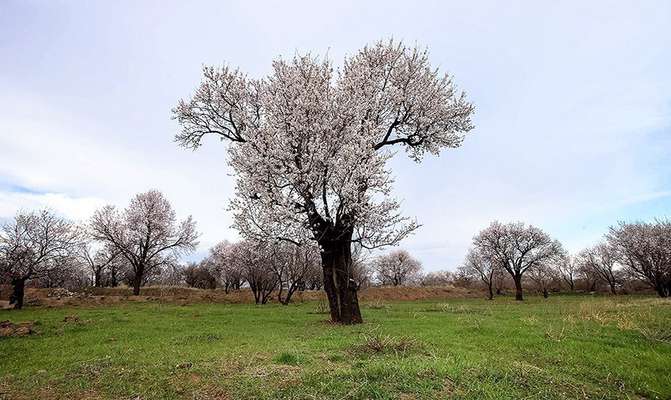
x=518, y=287
x=97, y=277
x=137, y=282
x=113, y=280
x=16, y=299
x=491, y=292
x=341, y=289
x=545, y=293
x=663, y=290
x=257, y=296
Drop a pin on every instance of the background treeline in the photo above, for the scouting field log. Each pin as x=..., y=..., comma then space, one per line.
x=144, y=244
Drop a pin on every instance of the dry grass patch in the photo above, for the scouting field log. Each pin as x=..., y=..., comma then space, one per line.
x=378, y=344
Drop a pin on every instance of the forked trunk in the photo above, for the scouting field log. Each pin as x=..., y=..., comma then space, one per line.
x=518, y=287
x=341, y=289
x=16, y=299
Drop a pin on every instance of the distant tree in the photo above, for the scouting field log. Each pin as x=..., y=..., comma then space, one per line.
x=199, y=275
x=517, y=248
x=309, y=146
x=587, y=277
x=543, y=275
x=501, y=280
x=231, y=275
x=69, y=275
x=362, y=274
x=462, y=278
x=483, y=268
x=254, y=260
x=396, y=268
x=292, y=264
x=437, y=278
x=568, y=269
x=116, y=271
x=146, y=234
x=314, y=280
x=34, y=245
x=172, y=274
x=645, y=251
x=601, y=260
x=97, y=261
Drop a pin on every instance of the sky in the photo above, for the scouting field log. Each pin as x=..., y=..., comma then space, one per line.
x=572, y=124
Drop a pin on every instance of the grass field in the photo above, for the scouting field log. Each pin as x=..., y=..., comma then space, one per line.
x=563, y=347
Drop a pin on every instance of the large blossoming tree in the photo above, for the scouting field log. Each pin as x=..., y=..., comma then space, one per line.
x=309, y=146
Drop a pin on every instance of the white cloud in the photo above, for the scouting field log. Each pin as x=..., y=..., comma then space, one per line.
x=76, y=209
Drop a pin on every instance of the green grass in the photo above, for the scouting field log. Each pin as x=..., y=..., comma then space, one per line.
x=565, y=347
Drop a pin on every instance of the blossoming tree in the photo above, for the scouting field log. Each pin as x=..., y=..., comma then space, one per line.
x=309, y=146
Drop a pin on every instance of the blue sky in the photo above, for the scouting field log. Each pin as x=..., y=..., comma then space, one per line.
x=572, y=121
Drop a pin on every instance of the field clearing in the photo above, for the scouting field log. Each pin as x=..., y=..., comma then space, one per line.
x=565, y=347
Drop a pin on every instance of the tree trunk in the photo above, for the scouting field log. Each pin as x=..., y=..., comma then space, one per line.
x=612, y=288
x=290, y=292
x=279, y=293
x=545, y=293
x=97, y=277
x=16, y=298
x=137, y=282
x=341, y=289
x=518, y=287
x=491, y=292
x=257, y=296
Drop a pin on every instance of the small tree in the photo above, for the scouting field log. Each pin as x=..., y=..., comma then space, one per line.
x=483, y=268
x=517, y=248
x=543, y=275
x=601, y=260
x=309, y=146
x=34, y=245
x=97, y=261
x=437, y=278
x=587, y=278
x=292, y=265
x=397, y=268
x=254, y=260
x=314, y=280
x=568, y=269
x=645, y=250
x=221, y=259
x=199, y=275
x=146, y=234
